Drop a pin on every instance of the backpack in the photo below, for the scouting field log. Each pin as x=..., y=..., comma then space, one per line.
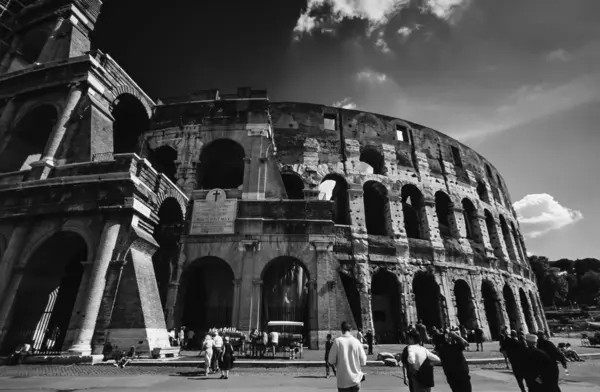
x=425, y=374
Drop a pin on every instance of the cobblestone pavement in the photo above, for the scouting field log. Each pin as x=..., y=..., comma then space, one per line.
x=583, y=377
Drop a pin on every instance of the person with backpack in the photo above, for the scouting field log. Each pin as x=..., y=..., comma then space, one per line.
x=417, y=364
x=451, y=352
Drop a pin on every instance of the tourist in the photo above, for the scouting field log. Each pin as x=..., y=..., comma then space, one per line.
x=190, y=343
x=571, y=354
x=172, y=337
x=478, y=338
x=422, y=330
x=541, y=372
x=553, y=352
x=328, y=364
x=226, y=358
x=369, y=338
x=515, y=350
x=124, y=359
x=181, y=337
x=21, y=351
x=207, y=348
x=417, y=364
x=359, y=336
x=217, y=347
x=455, y=366
x=502, y=343
x=274, y=340
x=348, y=356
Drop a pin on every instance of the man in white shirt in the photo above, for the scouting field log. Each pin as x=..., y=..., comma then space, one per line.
x=348, y=355
x=218, y=346
x=274, y=338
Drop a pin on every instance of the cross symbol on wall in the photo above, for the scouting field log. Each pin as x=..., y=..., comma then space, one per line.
x=217, y=194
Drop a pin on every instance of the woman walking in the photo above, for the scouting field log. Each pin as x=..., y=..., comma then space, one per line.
x=227, y=357
x=417, y=361
x=207, y=347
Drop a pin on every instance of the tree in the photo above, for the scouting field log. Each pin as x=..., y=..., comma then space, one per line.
x=540, y=266
x=554, y=287
x=589, y=287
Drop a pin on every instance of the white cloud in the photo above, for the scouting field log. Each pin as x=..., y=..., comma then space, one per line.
x=405, y=31
x=559, y=55
x=382, y=45
x=371, y=76
x=540, y=213
x=445, y=9
x=345, y=103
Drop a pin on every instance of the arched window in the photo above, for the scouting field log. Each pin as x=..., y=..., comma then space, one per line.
x=507, y=240
x=471, y=220
x=163, y=160
x=221, y=165
x=294, y=186
x=28, y=139
x=445, y=214
x=377, y=209
x=490, y=223
x=131, y=121
x=335, y=188
x=373, y=158
x=412, y=208
x=517, y=241
x=482, y=192
x=33, y=44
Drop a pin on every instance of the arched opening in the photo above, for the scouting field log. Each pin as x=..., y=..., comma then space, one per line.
x=285, y=292
x=428, y=299
x=32, y=44
x=464, y=305
x=294, y=186
x=131, y=121
x=47, y=294
x=27, y=141
x=444, y=210
x=351, y=289
x=373, y=158
x=493, y=312
x=163, y=159
x=517, y=242
x=471, y=220
x=412, y=208
x=385, y=306
x=490, y=223
x=166, y=234
x=221, y=165
x=482, y=192
x=335, y=188
x=511, y=308
x=208, y=290
x=507, y=240
x=377, y=209
x=527, y=311
x=536, y=311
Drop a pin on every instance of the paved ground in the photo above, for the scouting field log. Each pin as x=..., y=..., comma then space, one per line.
x=491, y=378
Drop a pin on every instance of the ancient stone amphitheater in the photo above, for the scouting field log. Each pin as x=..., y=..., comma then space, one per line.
x=121, y=216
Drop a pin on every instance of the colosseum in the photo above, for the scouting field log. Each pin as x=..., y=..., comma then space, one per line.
x=122, y=216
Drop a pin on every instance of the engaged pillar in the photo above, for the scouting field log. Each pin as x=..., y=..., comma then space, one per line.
x=8, y=300
x=93, y=299
x=255, y=306
x=235, y=312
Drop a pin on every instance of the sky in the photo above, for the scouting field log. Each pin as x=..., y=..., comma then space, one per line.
x=517, y=80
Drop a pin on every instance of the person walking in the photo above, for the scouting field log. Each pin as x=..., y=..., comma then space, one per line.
x=207, y=348
x=515, y=350
x=417, y=363
x=451, y=353
x=553, y=352
x=217, y=347
x=369, y=339
x=478, y=338
x=360, y=336
x=348, y=356
x=540, y=371
x=422, y=330
x=226, y=358
x=328, y=364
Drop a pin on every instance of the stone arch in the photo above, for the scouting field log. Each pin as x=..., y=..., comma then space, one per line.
x=444, y=209
x=167, y=234
x=377, y=209
x=517, y=243
x=28, y=138
x=376, y=125
x=492, y=230
x=493, y=309
x=164, y=160
x=465, y=306
x=221, y=165
x=471, y=220
x=374, y=158
x=285, y=291
x=429, y=300
x=536, y=311
x=527, y=313
x=294, y=185
x=131, y=120
x=45, y=299
x=507, y=238
x=126, y=89
x=170, y=192
x=413, y=208
x=511, y=307
x=33, y=43
x=482, y=192
x=386, y=306
x=339, y=195
x=205, y=297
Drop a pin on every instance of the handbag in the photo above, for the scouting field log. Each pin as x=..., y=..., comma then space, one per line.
x=425, y=374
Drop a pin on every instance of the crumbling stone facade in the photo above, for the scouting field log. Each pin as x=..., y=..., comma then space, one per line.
x=327, y=214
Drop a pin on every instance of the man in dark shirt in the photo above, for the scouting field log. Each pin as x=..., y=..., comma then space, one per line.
x=515, y=351
x=369, y=338
x=422, y=330
x=450, y=350
x=540, y=371
x=328, y=364
x=478, y=338
x=553, y=352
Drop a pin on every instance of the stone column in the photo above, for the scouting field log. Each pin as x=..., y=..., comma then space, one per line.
x=363, y=275
x=51, y=47
x=235, y=312
x=6, y=119
x=313, y=299
x=323, y=256
x=43, y=166
x=76, y=314
x=97, y=282
x=170, y=304
x=8, y=300
x=12, y=254
x=256, y=304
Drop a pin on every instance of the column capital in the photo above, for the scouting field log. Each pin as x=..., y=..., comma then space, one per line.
x=257, y=282
x=118, y=263
x=237, y=282
x=249, y=246
x=312, y=282
x=80, y=84
x=322, y=246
